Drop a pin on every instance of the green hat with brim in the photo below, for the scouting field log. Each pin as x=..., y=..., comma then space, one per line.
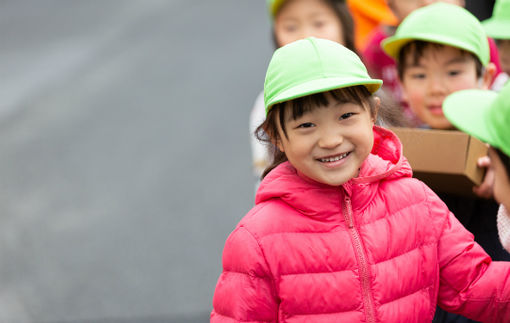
x=310, y=66
x=498, y=26
x=441, y=23
x=483, y=114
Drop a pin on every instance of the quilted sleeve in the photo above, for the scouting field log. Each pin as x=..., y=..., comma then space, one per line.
x=471, y=284
x=245, y=290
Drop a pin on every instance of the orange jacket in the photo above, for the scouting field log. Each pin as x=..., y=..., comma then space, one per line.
x=367, y=15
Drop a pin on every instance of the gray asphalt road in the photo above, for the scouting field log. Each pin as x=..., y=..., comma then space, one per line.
x=124, y=154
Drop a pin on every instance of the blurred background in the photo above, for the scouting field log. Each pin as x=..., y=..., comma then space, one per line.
x=124, y=154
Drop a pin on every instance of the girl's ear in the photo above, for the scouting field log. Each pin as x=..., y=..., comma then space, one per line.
x=377, y=105
x=278, y=143
x=487, y=76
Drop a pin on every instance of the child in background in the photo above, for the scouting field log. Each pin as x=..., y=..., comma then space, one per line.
x=485, y=115
x=340, y=231
x=441, y=49
x=498, y=27
x=383, y=66
x=293, y=20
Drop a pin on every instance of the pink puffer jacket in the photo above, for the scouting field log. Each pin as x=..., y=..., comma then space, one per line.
x=380, y=248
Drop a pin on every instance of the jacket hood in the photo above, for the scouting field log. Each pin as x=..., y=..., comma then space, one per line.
x=384, y=163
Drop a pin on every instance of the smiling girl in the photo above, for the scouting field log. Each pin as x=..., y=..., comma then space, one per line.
x=293, y=20
x=340, y=231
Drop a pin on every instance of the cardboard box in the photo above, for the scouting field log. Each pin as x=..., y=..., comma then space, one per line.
x=444, y=159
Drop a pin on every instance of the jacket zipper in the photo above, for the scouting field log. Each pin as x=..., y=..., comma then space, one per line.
x=363, y=264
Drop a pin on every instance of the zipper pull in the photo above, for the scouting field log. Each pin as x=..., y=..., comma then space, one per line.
x=348, y=207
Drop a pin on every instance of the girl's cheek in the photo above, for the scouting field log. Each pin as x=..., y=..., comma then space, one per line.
x=497, y=192
x=501, y=186
x=415, y=96
x=466, y=83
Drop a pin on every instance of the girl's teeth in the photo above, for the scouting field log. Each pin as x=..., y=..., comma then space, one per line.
x=332, y=159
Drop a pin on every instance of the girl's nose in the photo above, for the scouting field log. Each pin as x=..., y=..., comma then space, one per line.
x=310, y=29
x=436, y=85
x=307, y=32
x=330, y=139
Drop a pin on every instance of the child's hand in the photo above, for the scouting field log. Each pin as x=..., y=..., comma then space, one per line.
x=485, y=189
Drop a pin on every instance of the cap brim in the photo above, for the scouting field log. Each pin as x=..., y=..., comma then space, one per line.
x=467, y=111
x=497, y=29
x=323, y=85
x=392, y=45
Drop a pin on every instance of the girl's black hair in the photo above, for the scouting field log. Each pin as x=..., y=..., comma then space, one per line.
x=416, y=48
x=268, y=131
x=505, y=159
x=344, y=15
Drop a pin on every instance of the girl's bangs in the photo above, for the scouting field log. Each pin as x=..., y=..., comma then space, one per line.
x=354, y=94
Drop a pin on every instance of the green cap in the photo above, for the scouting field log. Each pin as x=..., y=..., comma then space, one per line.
x=498, y=26
x=483, y=114
x=273, y=6
x=310, y=66
x=441, y=23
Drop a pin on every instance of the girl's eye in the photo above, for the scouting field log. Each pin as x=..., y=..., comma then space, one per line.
x=290, y=28
x=454, y=72
x=318, y=24
x=346, y=115
x=305, y=125
x=418, y=76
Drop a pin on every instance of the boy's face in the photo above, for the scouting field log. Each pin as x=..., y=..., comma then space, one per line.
x=504, y=54
x=402, y=8
x=299, y=19
x=328, y=144
x=440, y=71
x=501, y=180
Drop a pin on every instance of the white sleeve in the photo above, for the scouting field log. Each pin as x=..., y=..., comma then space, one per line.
x=259, y=150
x=504, y=227
x=500, y=80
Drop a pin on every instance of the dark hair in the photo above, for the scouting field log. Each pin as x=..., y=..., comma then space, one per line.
x=505, y=159
x=500, y=41
x=344, y=15
x=416, y=48
x=390, y=113
x=268, y=131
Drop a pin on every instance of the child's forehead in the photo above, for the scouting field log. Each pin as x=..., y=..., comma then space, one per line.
x=293, y=7
x=293, y=111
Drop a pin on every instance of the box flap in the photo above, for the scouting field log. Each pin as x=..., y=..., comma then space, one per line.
x=438, y=151
x=446, y=160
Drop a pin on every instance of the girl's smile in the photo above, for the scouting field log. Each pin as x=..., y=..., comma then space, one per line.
x=436, y=109
x=334, y=161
